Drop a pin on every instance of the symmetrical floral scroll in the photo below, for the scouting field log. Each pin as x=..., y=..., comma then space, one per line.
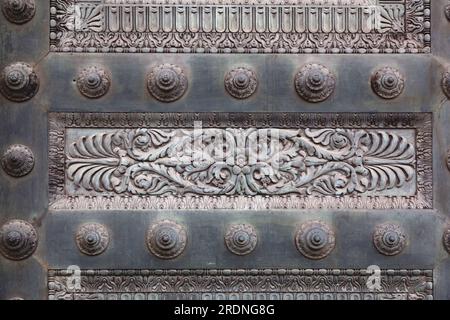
x=227, y=26
x=240, y=161
x=147, y=161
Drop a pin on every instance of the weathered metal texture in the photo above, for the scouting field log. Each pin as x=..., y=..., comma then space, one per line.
x=419, y=54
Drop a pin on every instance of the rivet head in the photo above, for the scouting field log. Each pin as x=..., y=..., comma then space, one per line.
x=388, y=83
x=18, y=160
x=94, y=82
x=315, y=239
x=166, y=239
x=19, y=11
x=241, y=82
x=241, y=239
x=167, y=82
x=389, y=239
x=446, y=239
x=18, y=82
x=445, y=84
x=447, y=12
x=314, y=83
x=92, y=238
x=18, y=240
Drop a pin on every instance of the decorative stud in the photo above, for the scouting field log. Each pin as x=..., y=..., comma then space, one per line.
x=18, y=240
x=388, y=83
x=445, y=84
x=94, y=82
x=18, y=160
x=241, y=83
x=18, y=11
x=389, y=239
x=315, y=240
x=447, y=12
x=167, y=82
x=446, y=239
x=241, y=239
x=314, y=83
x=92, y=239
x=18, y=82
x=166, y=239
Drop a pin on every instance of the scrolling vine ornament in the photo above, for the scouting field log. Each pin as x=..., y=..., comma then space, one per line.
x=148, y=161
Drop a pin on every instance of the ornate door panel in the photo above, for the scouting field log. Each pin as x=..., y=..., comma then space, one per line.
x=225, y=149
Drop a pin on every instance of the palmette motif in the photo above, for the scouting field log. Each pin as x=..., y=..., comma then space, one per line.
x=306, y=161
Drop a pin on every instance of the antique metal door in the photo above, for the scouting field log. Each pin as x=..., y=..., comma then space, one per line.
x=225, y=149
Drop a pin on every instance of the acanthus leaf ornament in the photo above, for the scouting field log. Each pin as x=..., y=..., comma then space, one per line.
x=18, y=160
x=315, y=240
x=445, y=84
x=94, y=82
x=19, y=11
x=241, y=82
x=92, y=238
x=19, y=82
x=166, y=239
x=389, y=239
x=315, y=161
x=314, y=83
x=118, y=161
x=167, y=82
x=388, y=83
x=241, y=239
x=18, y=240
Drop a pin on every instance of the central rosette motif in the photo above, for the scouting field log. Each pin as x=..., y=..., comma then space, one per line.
x=235, y=161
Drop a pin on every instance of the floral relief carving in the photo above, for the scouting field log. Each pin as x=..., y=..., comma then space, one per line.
x=148, y=161
x=241, y=239
x=241, y=284
x=389, y=239
x=158, y=161
x=267, y=26
x=92, y=238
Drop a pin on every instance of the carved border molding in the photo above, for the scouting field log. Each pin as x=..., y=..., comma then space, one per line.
x=271, y=26
x=421, y=168
x=253, y=284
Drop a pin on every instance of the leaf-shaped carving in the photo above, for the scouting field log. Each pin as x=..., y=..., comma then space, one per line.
x=89, y=18
x=241, y=161
x=92, y=162
x=389, y=160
